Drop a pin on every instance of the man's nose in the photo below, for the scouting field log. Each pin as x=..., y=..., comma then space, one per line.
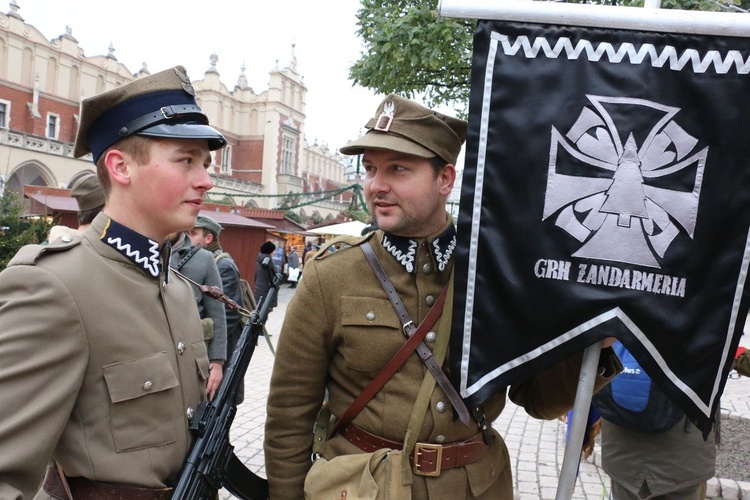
x=378, y=183
x=204, y=181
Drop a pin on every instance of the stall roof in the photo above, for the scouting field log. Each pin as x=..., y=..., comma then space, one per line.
x=232, y=219
x=67, y=204
x=56, y=203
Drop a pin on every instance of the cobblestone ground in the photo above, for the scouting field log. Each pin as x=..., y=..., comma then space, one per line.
x=536, y=447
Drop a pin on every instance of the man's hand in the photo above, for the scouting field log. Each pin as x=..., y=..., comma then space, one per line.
x=215, y=374
x=608, y=342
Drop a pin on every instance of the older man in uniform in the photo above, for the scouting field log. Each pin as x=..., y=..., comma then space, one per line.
x=341, y=329
x=103, y=360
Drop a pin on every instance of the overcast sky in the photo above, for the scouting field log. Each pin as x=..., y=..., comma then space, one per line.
x=164, y=33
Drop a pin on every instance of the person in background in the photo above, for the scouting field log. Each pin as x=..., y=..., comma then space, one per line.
x=649, y=447
x=198, y=265
x=308, y=248
x=205, y=234
x=340, y=330
x=742, y=361
x=89, y=197
x=262, y=280
x=103, y=361
x=294, y=267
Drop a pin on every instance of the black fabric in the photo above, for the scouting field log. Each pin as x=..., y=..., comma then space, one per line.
x=604, y=194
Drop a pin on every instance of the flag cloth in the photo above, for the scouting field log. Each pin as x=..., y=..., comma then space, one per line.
x=606, y=192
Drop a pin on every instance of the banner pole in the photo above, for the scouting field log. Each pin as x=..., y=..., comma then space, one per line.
x=584, y=392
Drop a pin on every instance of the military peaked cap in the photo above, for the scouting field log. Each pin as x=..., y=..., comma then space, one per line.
x=406, y=127
x=158, y=105
x=209, y=223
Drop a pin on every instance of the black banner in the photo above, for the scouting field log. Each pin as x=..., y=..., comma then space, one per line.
x=605, y=193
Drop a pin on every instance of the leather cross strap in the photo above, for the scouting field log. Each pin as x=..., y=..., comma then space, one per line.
x=394, y=364
x=408, y=325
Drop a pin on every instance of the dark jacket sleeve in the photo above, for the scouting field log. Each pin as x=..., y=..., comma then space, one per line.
x=230, y=280
x=552, y=392
x=742, y=363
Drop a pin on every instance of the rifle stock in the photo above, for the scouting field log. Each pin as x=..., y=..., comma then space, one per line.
x=211, y=463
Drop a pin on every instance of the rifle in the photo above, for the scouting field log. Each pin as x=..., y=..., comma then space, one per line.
x=211, y=463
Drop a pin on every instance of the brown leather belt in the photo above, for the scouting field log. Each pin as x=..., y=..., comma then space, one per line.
x=430, y=459
x=85, y=489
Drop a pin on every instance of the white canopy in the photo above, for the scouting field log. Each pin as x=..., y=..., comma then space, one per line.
x=352, y=228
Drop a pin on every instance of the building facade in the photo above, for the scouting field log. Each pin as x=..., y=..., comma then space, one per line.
x=267, y=164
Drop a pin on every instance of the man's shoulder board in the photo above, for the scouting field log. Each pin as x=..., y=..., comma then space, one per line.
x=346, y=242
x=29, y=255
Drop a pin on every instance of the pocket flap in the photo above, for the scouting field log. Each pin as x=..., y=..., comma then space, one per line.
x=367, y=311
x=138, y=377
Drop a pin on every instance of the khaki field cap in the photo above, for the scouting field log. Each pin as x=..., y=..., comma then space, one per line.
x=406, y=127
x=159, y=105
x=206, y=222
x=88, y=192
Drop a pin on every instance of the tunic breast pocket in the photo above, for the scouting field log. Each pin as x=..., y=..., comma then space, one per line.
x=371, y=331
x=142, y=413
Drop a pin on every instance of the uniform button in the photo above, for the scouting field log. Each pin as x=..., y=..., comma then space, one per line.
x=147, y=385
x=66, y=239
x=164, y=284
x=370, y=316
x=440, y=439
x=190, y=412
x=441, y=406
x=431, y=337
x=180, y=348
x=427, y=268
x=429, y=300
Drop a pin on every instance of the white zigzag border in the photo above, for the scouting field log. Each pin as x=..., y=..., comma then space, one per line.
x=627, y=52
x=151, y=263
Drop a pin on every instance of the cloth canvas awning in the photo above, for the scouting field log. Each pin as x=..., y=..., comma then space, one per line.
x=352, y=228
x=232, y=219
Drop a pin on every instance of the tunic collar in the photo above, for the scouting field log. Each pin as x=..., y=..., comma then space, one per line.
x=404, y=249
x=138, y=249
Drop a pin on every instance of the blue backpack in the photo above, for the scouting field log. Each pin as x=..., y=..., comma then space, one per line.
x=631, y=400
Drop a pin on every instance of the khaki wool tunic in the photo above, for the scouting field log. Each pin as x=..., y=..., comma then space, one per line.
x=340, y=329
x=98, y=366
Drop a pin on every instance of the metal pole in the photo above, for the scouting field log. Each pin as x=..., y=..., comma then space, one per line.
x=585, y=391
x=601, y=16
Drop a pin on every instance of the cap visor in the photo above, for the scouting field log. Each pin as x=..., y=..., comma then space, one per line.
x=187, y=131
x=380, y=140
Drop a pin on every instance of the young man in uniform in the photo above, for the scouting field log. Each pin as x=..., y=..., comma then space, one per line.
x=103, y=360
x=198, y=265
x=205, y=234
x=341, y=329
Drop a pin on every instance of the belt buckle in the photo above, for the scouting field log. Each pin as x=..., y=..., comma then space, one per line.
x=421, y=448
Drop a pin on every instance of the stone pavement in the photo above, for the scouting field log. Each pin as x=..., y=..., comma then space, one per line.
x=536, y=447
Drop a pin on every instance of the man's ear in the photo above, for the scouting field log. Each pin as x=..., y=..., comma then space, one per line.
x=447, y=178
x=117, y=166
x=209, y=237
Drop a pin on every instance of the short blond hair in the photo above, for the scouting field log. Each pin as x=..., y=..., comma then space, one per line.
x=137, y=146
